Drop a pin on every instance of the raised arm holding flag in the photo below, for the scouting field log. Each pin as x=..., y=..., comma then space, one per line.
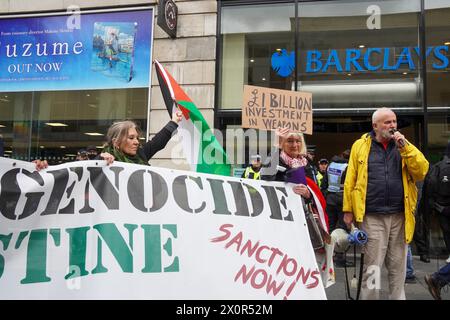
x=201, y=148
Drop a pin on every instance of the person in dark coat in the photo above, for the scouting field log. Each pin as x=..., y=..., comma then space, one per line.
x=123, y=142
x=91, y=152
x=422, y=230
x=333, y=188
x=310, y=167
x=437, y=194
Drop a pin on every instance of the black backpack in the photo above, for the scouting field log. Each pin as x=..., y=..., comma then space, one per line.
x=441, y=182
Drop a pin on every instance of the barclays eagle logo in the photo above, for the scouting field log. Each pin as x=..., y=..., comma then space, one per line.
x=283, y=63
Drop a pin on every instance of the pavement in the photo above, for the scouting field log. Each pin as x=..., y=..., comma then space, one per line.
x=413, y=291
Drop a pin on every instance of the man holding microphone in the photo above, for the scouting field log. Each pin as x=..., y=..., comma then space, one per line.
x=380, y=195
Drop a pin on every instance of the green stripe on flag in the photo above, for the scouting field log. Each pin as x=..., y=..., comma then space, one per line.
x=211, y=158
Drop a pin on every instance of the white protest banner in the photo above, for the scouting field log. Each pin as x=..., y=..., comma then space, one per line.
x=84, y=230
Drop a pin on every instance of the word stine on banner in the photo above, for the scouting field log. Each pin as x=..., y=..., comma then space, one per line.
x=40, y=243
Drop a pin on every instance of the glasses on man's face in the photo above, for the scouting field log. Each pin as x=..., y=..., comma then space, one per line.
x=292, y=141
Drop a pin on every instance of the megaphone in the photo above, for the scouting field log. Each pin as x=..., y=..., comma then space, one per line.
x=342, y=239
x=357, y=236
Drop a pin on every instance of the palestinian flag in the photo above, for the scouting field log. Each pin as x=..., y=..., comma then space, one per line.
x=324, y=256
x=201, y=148
x=320, y=203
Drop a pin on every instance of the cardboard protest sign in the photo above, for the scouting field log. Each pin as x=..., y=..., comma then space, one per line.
x=268, y=109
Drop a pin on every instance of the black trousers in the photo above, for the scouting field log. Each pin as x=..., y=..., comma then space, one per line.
x=422, y=232
x=334, y=211
x=444, y=222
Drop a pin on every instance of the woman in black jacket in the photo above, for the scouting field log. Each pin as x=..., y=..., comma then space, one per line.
x=122, y=142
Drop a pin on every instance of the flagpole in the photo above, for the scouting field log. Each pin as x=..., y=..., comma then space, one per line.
x=132, y=53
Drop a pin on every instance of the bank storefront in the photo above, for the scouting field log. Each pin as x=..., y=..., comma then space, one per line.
x=353, y=55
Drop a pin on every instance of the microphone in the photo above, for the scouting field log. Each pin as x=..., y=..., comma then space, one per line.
x=401, y=142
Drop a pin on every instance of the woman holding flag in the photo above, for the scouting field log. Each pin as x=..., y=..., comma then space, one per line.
x=122, y=141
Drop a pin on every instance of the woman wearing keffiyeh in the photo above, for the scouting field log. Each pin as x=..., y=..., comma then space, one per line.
x=122, y=142
x=291, y=151
x=290, y=148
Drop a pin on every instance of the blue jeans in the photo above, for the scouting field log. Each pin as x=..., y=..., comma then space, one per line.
x=443, y=275
x=409, y=264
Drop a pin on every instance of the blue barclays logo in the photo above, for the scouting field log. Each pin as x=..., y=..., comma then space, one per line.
x=283, y=63
x=356, y=60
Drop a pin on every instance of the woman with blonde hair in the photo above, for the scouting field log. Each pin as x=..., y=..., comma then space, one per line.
x=122, y=141
x=292, y=160
x=291, y=155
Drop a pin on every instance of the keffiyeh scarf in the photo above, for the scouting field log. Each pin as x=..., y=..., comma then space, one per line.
x=122, y=157
x=300, y=161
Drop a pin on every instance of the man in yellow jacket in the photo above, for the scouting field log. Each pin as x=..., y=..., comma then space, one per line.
x=380, y=194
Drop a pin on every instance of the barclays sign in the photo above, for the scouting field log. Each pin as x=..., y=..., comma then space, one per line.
x=359, y=60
